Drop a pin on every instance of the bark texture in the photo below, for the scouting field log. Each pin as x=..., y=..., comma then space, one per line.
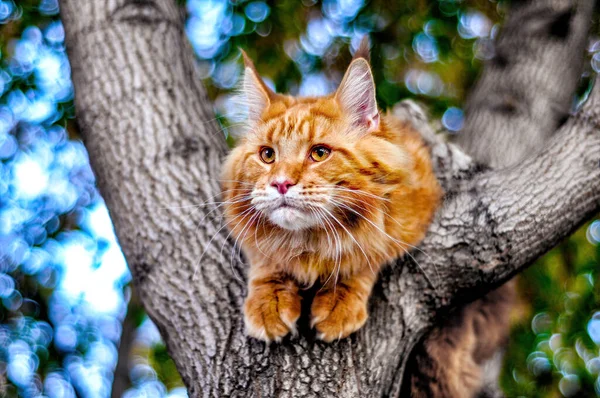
x=526, y=90
x=524, y=94
x=156, y=151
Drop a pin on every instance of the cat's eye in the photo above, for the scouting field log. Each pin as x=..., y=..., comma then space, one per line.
x=319, y=153
x=267, y=155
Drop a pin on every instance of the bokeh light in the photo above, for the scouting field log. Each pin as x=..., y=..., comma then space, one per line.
x=64, y=285
x=593, y=232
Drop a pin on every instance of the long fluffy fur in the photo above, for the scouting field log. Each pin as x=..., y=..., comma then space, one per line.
x=367, y=204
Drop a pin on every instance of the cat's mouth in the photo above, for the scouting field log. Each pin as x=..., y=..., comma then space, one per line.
x=290, y=216
x=288, y=204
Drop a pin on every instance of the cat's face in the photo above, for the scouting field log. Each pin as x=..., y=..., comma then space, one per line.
x=311, y=162
x=298, y=164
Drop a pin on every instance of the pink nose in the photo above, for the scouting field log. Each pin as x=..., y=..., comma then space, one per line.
x=282, y=187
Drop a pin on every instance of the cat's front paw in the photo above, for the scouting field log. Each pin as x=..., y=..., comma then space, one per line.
x=337, y=313
x=271, y=310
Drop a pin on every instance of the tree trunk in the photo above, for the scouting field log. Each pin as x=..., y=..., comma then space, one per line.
x=157, y=152
x=540, y=46
x=526, y=90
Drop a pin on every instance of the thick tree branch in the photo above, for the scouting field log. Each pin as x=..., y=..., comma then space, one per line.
x=508, y=218
x=156, y=151
x=526, y=91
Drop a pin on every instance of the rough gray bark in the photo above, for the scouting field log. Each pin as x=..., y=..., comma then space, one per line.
x=156, y=150
x=524, y=94
x=526, y=90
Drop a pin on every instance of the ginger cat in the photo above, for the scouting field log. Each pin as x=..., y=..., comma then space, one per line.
x=324, y=191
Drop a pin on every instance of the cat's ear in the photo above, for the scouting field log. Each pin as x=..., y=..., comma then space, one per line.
x=256, y=95
x=356, y=94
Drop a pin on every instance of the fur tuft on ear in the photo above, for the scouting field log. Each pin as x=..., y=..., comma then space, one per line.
x=363, y=50
x=356, y=95
x=254, y=93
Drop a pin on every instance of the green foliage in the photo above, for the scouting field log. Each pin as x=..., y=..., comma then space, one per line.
x=431, y=51
x=551, y=352
x=396, y=30
x=165, y=367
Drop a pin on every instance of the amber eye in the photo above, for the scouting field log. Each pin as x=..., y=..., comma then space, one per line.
x=319, y=153
x=267, y=155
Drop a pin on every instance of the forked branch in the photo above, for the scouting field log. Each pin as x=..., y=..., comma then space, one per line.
x=156, y=150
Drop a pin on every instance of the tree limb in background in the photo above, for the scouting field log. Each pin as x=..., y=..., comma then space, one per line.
x=156, y=150
x=526, y=90
x=524, y=93
x=121, y=380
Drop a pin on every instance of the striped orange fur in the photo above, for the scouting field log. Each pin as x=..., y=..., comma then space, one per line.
x=334, y=220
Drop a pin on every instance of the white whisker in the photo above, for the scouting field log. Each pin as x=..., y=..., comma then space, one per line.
x=352, y=237
x=208, y=245
x=338, y=251
x=399, y=243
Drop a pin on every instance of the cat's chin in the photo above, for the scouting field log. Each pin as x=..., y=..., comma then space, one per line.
x=292, y=219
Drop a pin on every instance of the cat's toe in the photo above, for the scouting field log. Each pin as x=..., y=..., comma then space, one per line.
x=270, y=317
x=336, y=314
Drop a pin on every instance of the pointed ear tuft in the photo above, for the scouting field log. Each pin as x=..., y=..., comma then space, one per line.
x=363, y=50
x=247, y=61
x=255, y=94
x=356, y=95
